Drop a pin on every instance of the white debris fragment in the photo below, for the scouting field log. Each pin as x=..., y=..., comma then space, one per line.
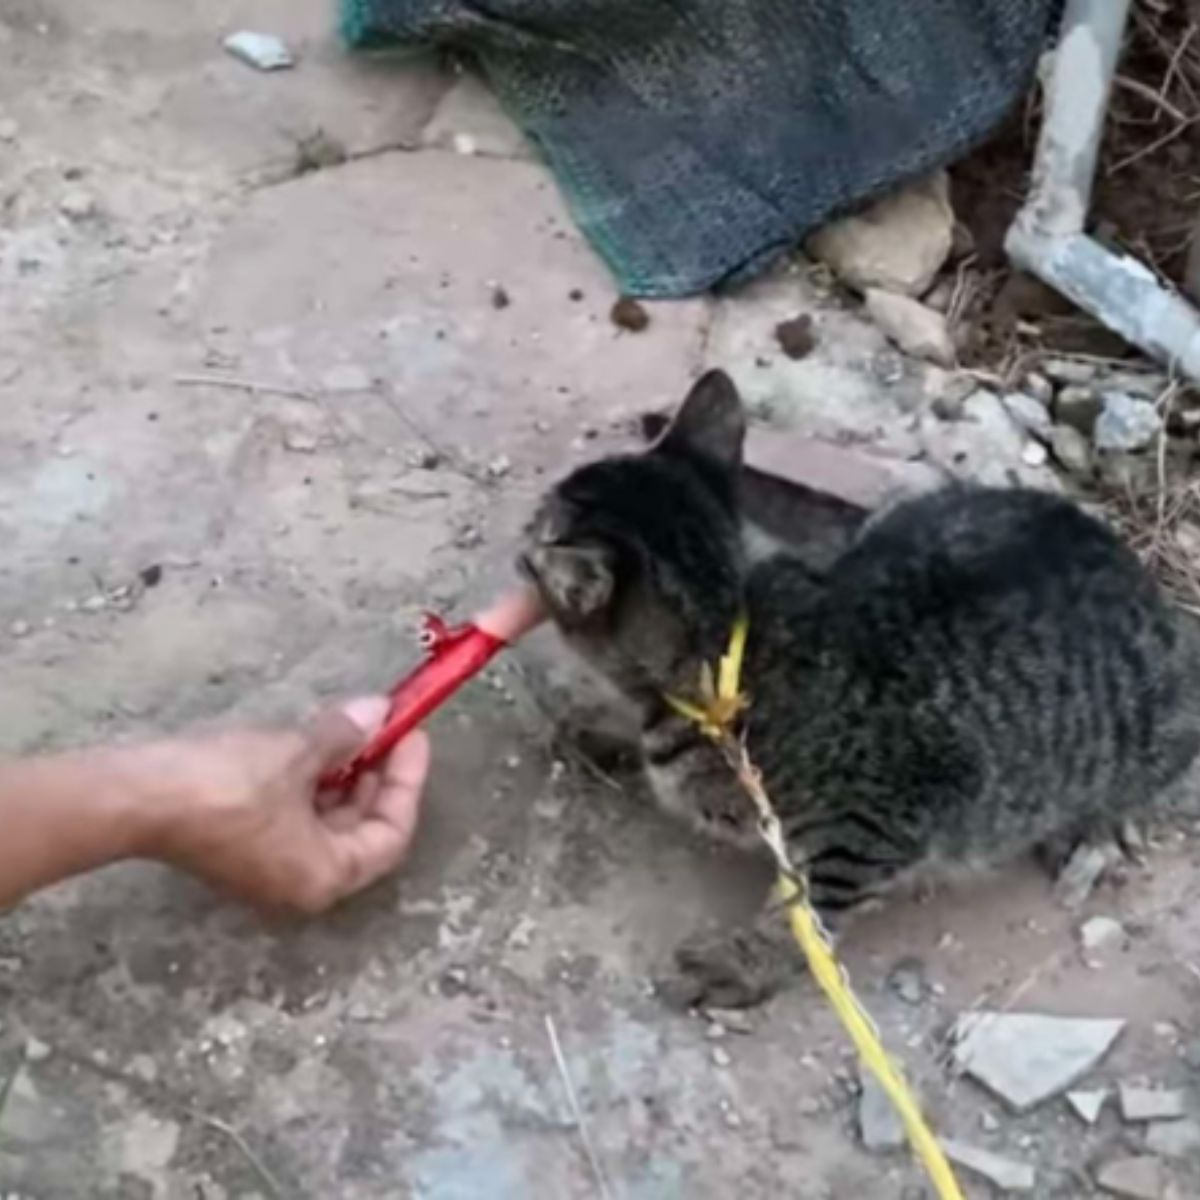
x=1151, y=1104
x=1007, y=1174
x=262, y=50
x=1101, y=933
x=1025, y=1058
x=36, y=1050
x=916, y=329
x=1087, y=1104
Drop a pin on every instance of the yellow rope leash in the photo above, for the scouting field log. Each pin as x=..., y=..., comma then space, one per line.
x=715, y=715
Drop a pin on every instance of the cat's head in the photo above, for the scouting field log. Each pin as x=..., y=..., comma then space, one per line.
x=638, y=557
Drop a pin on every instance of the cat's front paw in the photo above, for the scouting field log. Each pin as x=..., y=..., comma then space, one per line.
x=725, y=969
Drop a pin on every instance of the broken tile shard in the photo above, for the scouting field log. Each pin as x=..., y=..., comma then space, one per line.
x=1151, y=1104
x=1025, y=1058
x=1141, y=1177
x=1007, y=1174
x=1087, y=1104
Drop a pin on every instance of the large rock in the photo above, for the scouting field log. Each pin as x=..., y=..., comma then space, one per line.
x=1025, y=1058
x=914, y=327
x=899, y=243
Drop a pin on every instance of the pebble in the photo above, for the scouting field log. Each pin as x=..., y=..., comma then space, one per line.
x=1068, y=370
x=77, y=205
x=1039, y=387
x=1087, y=1104
x=499, y=467
x=1030, y=414
x=1025, y=1058
x=425, y=458
x=907, y=980
x=94, y=604
x=720, y=1057
x=1174, y=1139
x=300, y=441
x=1151, y=1104
x=1078, y=407
x=1140, y=1177
x=36, y=1050
x=1101, y=932
x=1071, y=449
x=262, y=50
x=1125, y=423
x=916, y=329
x=1034, y=454
x=19, y=629
x=735, y=1020
x=1007, y=1174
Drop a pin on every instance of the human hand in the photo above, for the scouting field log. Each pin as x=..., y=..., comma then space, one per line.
x=245, y=812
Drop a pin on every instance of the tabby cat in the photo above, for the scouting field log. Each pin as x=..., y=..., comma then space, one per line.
x=981, y=671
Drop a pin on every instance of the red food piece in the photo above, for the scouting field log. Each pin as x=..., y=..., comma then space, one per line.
x=454, y=656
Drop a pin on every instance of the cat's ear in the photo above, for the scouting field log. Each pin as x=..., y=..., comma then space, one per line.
x=577, y=582
x=711, y=422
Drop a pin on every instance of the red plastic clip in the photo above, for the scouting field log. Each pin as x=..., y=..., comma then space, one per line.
x=453, y=655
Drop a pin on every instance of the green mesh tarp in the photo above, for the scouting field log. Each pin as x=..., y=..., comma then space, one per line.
x=697, y=139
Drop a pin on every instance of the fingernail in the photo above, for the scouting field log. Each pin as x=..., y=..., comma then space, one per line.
x=367, y=712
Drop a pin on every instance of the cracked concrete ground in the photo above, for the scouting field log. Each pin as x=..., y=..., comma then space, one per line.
x=157, y=253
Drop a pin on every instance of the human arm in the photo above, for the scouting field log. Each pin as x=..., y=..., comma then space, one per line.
x=240, y=810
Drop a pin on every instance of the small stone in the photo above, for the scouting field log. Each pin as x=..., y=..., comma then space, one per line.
x=77, y=205
x=1087, y=1104
x=262, y=50
x=1174, y=1139
x=36, y=1050
x=907, y=980
x=735, y=1020
x=1151, y=1104
x=500, y=298
x=8, y=130
x=1099, y=933
x=1039, y=387
x=715, y=1031
x=425, y=458
x=1030, y=414
x=19, y=629
x=151, y=576
x=1025, y=1058
x=94, y=604
x=1005, y=1173
x=898, y=243
x=720, y=1057
x=988, y=1123
x=300, y=441
x=796, y=337
x=629, y=315
x=1071, y=449
x=732, y=1119
x=916, y=329
x=1034, y=454
x=879, y=1124
x=1140, y=1177
x=1078, y=407
x=1068, y=370
x=1125, y=423
x=346, y=377
x=499, y=467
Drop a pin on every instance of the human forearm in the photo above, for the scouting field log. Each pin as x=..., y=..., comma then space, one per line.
x=243, y=810
x=68, y=813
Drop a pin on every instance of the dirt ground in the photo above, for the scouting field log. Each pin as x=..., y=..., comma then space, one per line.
x=158, y=254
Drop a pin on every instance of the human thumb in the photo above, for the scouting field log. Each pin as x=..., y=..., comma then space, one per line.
x=337, y=733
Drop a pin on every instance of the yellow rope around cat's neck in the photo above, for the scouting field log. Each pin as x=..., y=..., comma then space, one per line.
x=721, y=702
